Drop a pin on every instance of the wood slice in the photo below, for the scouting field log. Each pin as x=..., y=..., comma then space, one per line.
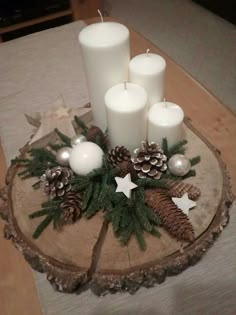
x=87, y=254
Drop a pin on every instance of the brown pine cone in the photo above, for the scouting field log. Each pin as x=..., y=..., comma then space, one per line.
x=56, y=181
x=72, y=207
x=126, y=167
x=173, y=219
x=179, y=188
x=94, y=134
x=118, y=155
x=150, y=161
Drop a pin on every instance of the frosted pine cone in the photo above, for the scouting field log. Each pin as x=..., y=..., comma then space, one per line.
x=56, y=181
x=118, y=155
x=150, y=161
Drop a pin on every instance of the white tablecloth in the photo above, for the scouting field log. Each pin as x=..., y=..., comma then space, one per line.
x=34, y=71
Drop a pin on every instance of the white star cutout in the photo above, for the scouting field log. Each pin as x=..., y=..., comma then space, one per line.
x=184, y=203
x=125, y=185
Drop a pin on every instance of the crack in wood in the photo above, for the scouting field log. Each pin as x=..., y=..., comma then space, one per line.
x=97, y=249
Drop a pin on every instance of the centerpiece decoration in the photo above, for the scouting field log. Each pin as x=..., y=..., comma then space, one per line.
x=136, y=192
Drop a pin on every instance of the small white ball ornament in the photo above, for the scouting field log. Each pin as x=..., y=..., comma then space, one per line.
x=179, y=165
x=85, y=157
x=63, y=156
x=77, y=139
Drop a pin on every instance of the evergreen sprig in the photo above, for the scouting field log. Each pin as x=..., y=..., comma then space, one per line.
x=40, y=160
x=64, y=138
x=52, y=212
x=133, y=216
x=82, y=125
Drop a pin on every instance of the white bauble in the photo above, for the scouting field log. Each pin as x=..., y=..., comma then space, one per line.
x=85, y=157
x=179, y=165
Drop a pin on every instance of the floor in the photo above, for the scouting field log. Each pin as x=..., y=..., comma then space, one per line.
x=201, y=42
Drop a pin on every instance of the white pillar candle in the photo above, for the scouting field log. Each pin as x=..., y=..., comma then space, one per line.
x=148, y=70
x=165, y=120
x=106, y=54
x=126, y=106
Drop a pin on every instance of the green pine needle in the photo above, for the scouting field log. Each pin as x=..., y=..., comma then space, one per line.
x=195, y=160
x=191, y=173
x=64, y=138
x=42, y=226
x=87, y=196
x=177, y=148
x=81, y=124
x=165, y=146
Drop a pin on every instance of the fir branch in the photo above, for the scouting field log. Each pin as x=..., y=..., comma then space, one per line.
x=42, y=226
x=36, y=185
x=64, y=138
x=81, y=124
x=127, y=233
x=40, y=213
x=195, y=160
x=177, y=148
x=138, y=231
x=56, y=147
x=191, y=173
x=87, y=196
x=165, y=146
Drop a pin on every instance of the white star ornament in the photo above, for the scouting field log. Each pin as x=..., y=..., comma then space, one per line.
x=184, y=203
x=125, y=185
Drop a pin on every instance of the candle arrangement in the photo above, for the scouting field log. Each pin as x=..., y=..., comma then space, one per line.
x=132, y=172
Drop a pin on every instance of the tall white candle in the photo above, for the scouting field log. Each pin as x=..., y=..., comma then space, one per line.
x=126, y=106
x=106, y=54
x=165, y=120
x=148, y=70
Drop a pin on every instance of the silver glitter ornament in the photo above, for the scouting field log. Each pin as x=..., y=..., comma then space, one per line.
x=77, y=139
x=179, y=165
x=63, y=156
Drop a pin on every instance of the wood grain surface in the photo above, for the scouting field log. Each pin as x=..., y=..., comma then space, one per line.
x=210, y=117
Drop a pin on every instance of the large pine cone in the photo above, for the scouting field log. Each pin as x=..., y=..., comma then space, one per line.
x=56, y=181
x=150, y=161
x=173, y=219
x=118, y=155
x=179, y=188
x=72, y=207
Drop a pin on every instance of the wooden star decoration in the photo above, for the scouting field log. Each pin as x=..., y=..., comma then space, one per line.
x=184, y=203
x=125, y=185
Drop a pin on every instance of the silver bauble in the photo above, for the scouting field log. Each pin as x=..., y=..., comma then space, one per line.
x=179, y=165
x=63, y=156
x=77, y=139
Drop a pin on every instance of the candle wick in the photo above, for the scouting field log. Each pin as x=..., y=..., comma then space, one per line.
x=99, y=12
x=165, y=102
x=147, y=52
x=125, y=85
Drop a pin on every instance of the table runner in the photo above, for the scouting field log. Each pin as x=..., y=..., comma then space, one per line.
x=35, y=71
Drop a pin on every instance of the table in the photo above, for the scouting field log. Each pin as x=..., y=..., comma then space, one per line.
x=208, y=115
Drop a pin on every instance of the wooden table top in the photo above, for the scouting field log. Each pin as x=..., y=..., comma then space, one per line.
x=208, y=115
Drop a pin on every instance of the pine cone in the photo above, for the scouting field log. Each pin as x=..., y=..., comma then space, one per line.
x=118, y=155
x=173, y=219
x=56, y=181
x=179, y=188
x=94, y=134
x=150, y=161
x=72, y=207
x=127, y=167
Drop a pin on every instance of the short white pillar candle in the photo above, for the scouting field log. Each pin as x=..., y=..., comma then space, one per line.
x=126, y=106
x=106, y=55
x=148, y=70
x=165, y=120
